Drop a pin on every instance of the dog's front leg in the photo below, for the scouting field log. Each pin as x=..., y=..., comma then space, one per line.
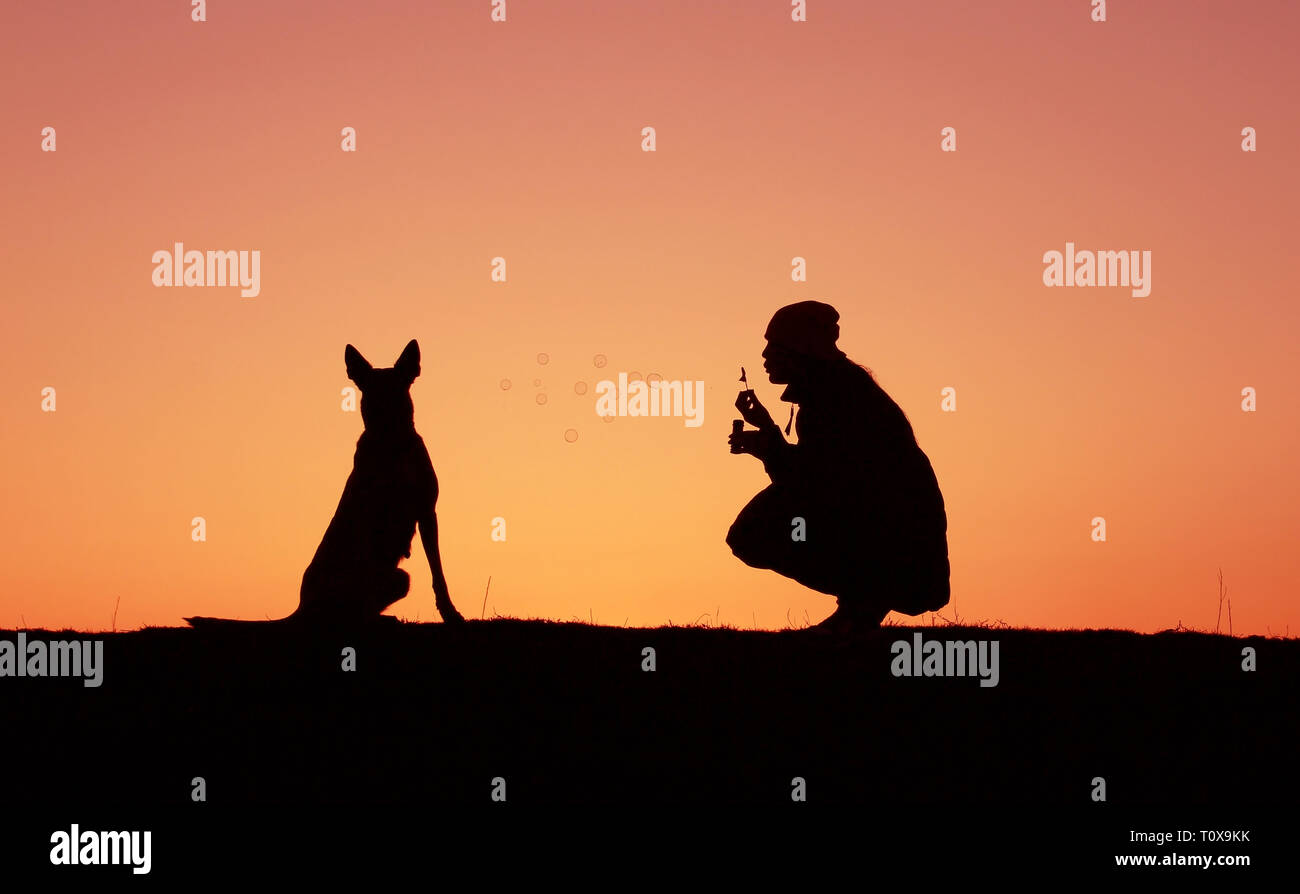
x=442, y=597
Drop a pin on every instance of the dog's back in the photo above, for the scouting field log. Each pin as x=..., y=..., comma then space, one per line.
x=372, y=529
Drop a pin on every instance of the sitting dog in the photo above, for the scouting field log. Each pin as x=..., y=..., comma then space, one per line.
x=392, y=488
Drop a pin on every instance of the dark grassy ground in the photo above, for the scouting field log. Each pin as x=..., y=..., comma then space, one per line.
x=565, y=714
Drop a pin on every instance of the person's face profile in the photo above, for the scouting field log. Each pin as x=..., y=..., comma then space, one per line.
x=779, y=363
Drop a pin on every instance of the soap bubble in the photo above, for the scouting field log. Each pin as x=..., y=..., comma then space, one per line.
x=654, y=377
x=599, y=361
x=537, y=383
x=608, y=417
x=541, y=399
x=543, y=359
x=505, y=384
x=571, y=435
x=634, y=376
x=580, y=388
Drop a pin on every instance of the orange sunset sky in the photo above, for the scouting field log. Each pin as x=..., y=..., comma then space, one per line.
x=479, y=139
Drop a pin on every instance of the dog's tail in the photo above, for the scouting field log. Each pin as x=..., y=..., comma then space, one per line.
x=229, y=623
x=296, y=622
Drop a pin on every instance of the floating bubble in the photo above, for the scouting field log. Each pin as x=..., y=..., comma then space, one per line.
x=599, y=361
x=505, y=384
x=654, y=377
x=543, y=359
x=580, y=388
x=634, y=376
x=541, y=399
x=571, y=435
x=608, y=417
x=537, y=383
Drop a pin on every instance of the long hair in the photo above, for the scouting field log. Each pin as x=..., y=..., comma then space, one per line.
x=883, y=411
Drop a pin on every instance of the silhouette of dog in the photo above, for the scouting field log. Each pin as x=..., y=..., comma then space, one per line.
x=354, y=575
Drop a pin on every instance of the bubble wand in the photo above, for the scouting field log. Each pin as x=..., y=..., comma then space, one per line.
x=738, y=425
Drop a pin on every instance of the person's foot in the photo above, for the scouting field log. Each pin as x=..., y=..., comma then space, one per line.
x=852, y=618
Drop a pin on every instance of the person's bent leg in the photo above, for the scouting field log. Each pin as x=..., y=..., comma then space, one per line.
x=760, y=535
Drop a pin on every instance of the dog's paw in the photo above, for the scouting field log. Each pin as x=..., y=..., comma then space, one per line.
x=450, y=615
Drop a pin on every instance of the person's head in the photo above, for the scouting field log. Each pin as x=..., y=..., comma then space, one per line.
x=801, y=340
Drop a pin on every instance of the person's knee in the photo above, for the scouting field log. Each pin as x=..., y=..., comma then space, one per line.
x=744, y=545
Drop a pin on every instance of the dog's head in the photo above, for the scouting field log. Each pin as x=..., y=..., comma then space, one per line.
x=386, y=405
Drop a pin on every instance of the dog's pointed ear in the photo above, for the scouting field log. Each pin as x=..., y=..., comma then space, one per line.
x=409, y=363
x=357, y=365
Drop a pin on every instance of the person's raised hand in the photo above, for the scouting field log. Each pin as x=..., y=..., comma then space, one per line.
x=752, y=411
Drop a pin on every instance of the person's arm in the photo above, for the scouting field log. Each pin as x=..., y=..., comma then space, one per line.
x=780, y=457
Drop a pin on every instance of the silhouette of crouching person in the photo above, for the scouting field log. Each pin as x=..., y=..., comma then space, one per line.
x=854, y=509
